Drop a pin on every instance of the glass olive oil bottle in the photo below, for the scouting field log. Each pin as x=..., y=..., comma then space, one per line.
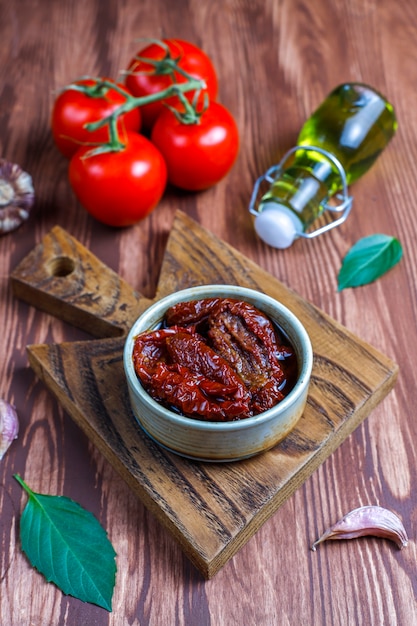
x=337, y=145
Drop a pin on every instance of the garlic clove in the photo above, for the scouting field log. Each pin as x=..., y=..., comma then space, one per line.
x=367, y=521
x=17, y=196
x=9, y=426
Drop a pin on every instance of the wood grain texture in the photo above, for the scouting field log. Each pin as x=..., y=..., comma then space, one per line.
x=60, y=276
x=212, y=509
x=276, y=60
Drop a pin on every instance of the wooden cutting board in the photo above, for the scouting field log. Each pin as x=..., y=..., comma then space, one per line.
x=212, y=509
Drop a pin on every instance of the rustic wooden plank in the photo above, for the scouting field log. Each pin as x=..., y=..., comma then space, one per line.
x=63, y=278
x=212, y=509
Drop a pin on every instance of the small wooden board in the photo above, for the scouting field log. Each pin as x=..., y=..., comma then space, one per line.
x=212, y=509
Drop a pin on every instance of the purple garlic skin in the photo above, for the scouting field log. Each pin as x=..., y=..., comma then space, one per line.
x=9, y=426
x=367, y=521
x=17, y=196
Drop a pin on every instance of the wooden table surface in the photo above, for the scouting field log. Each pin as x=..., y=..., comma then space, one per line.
x=276, y=61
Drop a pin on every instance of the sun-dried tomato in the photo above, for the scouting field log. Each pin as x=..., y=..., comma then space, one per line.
x=181, y=370
x=215, y=359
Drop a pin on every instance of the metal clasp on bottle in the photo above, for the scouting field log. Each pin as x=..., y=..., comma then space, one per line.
x=273, y=173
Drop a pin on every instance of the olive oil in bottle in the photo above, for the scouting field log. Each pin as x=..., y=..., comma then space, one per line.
x=337, y=145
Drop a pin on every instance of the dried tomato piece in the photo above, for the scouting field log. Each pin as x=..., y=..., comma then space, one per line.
x=179, y=369
x=246, y=338
x=191, y=352
x=149, y=350
x=191, y=312
x=216, y=359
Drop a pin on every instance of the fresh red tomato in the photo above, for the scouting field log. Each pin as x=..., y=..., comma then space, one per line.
x=144, y=79
x=119, y=188
x=197, y=155
x=73, y=109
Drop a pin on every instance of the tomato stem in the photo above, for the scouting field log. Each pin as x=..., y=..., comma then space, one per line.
x=114, y=141
x=167, y=65
x=132, y=102
x=190, y=114
x=97, y=90
x=115, y=144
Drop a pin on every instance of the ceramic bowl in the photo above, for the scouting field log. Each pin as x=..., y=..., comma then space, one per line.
x=220, y=441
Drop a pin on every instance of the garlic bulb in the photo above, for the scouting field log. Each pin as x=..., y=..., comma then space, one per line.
x=367, y=520
x=17, y=196
x=9, y=426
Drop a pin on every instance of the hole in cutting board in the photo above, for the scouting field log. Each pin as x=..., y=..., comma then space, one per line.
x=61, y=266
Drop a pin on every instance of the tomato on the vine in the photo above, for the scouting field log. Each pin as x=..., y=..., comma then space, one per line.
x=74, y=109
x=122, y=187
x=144, y=79
x=197, y=155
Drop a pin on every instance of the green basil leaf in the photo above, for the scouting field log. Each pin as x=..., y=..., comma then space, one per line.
x=368, y=259
x=68, y=546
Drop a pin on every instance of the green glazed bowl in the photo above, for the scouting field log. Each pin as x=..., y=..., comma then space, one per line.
x=220, y=441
